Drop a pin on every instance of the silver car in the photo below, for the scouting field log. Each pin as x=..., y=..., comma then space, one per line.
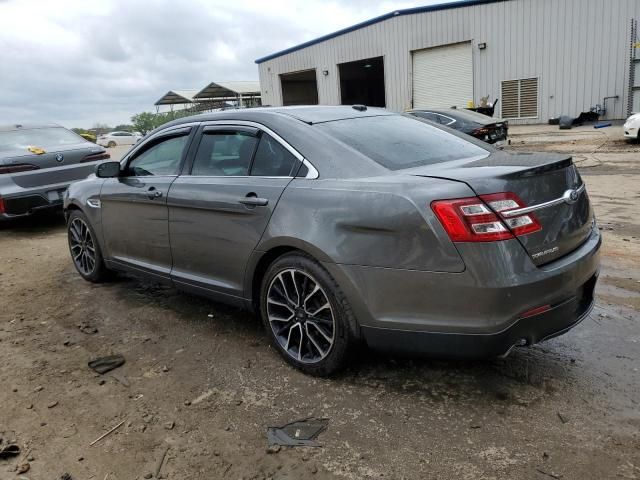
x=346, y=224
x=37, y=164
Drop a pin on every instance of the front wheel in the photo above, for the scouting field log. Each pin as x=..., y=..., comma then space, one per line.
x=111, y=144
x=306, y=315
x=84, y=249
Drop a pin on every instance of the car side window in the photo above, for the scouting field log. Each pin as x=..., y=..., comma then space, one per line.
x=224, y=153
x=432, y=117
x=161, y=158
x=272, y=159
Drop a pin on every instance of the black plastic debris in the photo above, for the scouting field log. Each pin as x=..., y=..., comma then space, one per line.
x=301, y=433
x=9, y=451
x=106, y=364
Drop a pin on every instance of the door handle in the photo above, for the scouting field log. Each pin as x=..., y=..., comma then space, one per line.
x=252, y=200
x=152, y=193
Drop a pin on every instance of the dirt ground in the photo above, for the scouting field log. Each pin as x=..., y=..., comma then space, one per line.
x=201, y=380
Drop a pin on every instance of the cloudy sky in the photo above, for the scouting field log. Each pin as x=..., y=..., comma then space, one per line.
x=77, y=63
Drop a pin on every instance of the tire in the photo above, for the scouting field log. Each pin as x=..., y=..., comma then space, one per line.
x=81, y=238
x=312, y=314
x=111, y=144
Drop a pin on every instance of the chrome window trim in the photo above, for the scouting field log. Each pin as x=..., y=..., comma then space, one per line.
x=564, y=198
x=312, y=173
x=452, y=120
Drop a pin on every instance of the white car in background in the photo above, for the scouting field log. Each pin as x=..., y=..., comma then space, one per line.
x=632, y=127
x=114, y=139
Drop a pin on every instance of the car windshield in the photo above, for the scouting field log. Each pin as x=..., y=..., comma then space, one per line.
x=397, y=141
x=37, y=137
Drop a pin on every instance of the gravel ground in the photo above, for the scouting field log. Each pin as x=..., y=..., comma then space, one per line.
x=201, y=380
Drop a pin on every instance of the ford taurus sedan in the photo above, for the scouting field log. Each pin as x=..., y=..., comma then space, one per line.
x=340, y=224
x=37, y=163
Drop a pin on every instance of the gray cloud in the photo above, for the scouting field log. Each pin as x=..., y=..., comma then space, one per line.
x=76, y=64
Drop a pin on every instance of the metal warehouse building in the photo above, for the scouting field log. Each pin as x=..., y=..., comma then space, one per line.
x=540, y=58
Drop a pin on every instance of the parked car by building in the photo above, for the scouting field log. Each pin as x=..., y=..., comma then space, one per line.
x=632, y=127
x=114, y=139
x=487, y=129
x=347, y=224
x=37, y=163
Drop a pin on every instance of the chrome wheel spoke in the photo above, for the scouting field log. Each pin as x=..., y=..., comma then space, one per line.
x=319, y=309
x=320, y=330
x=300, y=316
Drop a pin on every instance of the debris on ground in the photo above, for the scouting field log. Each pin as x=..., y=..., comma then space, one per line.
x=103, y=365
x=161, y=462
x=562, y=418
x=87, y=328
x=107, y=433
x=66, y=476
x=549, y=474
x=24, y=468
x=299, y=433
x=9, y=451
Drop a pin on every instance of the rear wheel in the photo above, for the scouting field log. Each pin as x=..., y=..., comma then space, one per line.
x=306, y=315
x=84, y=249
x=111, y=144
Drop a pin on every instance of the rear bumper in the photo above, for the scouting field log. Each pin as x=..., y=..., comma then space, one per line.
x=31, y=201
x=526, y=331
x=477, y=312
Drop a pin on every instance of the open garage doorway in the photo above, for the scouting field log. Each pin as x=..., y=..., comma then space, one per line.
x=362, y=82
x=299, y=88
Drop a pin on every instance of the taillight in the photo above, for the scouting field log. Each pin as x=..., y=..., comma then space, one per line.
x=481, y=219
x=2, y=207
x=481, y=131
x=505, y=204
x=18, y=167
x=94, y=157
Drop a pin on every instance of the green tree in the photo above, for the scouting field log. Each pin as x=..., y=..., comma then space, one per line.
x=146, y=121
x=124, y=128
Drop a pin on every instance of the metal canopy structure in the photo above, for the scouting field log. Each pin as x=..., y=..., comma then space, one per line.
x=177, y=97
x=243, y=93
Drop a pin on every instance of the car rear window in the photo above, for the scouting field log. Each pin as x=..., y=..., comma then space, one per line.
x=397, y=141
x=37, y=137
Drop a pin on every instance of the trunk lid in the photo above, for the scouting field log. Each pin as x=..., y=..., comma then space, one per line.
x=537, y=179
x=62, y=165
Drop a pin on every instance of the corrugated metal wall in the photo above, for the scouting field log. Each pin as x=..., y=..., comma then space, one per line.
x=579, y=50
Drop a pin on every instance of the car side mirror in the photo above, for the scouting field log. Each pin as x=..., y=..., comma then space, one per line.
x=108, y=170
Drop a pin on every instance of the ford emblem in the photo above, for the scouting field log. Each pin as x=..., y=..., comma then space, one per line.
x=570, y=196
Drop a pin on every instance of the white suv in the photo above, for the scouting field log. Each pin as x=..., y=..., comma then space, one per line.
x=632, y=127
x=118, y=138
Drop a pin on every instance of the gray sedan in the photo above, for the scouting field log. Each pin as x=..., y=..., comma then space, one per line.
x=37, y=164
x=340, y=224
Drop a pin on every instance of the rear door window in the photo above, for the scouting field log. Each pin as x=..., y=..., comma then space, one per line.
x=399, y=141
x=272, y=159
x=224, y=153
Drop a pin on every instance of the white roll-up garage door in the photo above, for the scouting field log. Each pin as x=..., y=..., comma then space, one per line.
x=443, y=76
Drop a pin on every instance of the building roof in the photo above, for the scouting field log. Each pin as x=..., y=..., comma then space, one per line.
x=173, y=97
x=228, y=89
x=381, y=18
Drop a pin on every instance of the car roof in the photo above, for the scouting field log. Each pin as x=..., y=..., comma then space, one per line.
x=27, y=126
x=308, y=114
